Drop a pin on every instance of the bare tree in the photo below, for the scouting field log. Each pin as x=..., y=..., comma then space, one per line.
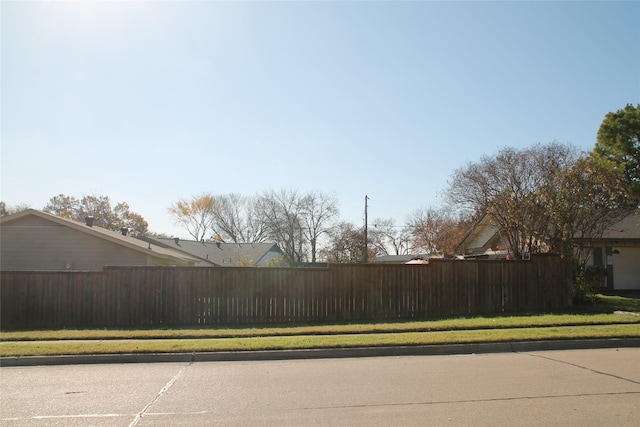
x=318, y=212
x=296, y=221
x=388, y=239
x=235, y=219
x=282, y=215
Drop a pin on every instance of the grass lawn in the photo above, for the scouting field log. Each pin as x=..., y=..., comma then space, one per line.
x=617, y=303
x=595, y=321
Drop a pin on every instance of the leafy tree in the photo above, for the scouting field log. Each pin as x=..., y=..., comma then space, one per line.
x=438, y=230
x=195, y=215
x=136, y=224
x=618, y=148
x=64, y=206
x=98, y=207
x=582, y=201
x=544, y=195
x=6, y=210
x=504, y=186
x=345, y=244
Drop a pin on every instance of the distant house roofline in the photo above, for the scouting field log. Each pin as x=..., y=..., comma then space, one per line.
x=220, y=253
x=116, y=237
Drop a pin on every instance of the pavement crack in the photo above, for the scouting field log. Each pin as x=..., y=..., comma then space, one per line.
x=595, y=371
x=496, y=399
x=164, y=389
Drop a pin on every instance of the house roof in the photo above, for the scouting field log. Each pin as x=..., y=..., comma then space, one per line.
x=626, y=229
x=221, y=254
x=480, y=236
x=486, y=231
x=148, y=248
x=398, y=259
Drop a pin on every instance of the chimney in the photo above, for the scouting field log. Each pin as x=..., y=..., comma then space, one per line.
x=89, y=221
x=176, y=240
x=124, y=231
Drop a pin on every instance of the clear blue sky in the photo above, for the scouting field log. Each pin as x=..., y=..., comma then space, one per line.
x=149, y=102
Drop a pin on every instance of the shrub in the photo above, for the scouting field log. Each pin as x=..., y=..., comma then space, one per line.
x=583, y=291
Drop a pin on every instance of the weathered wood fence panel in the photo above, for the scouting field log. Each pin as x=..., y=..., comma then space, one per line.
x=181, y=296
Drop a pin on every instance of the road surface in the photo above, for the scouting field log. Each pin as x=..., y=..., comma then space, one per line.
x=546, y=388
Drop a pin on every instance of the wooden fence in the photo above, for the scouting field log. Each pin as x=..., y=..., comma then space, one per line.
x=181, y=296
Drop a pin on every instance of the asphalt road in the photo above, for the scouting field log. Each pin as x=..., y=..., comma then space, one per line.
x=545, y=388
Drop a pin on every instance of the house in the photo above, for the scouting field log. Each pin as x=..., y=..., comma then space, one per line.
x=225, y=254
x=484, y=241
x=616, y=254
x=35, y=240
x=399, y=259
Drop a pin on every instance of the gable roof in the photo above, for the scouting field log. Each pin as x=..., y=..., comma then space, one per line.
x=486, y=232
x=222, y=254
x=480, y=237
x=147, y=248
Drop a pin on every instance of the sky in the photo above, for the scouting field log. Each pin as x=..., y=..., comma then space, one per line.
x=150, y=102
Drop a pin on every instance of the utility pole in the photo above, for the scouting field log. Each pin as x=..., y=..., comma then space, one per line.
x=366, y=239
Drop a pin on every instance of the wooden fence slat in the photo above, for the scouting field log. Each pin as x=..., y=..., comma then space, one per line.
x=181, y=296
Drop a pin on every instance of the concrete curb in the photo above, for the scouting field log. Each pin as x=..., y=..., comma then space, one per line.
x=424, y=350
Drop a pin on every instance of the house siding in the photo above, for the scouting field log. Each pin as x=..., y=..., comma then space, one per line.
x=626, y=274
x=484, y=240
x=33, y=243
x=269, y=257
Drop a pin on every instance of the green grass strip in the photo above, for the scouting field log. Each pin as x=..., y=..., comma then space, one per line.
x=17, y=348
x=507, y=322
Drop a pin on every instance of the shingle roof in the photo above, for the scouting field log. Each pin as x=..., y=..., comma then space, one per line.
x=398, y=259
x=221, y=254
x=626, y=229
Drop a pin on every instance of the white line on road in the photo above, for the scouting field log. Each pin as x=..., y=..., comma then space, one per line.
x=57, y=417
x=47, y=417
